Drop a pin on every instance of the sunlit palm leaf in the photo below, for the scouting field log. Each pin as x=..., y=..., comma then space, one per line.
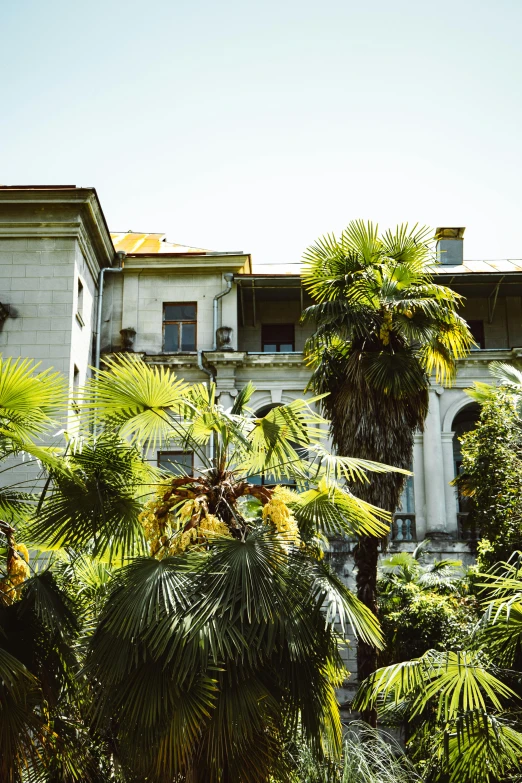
x=138, y=399
x=455, y=682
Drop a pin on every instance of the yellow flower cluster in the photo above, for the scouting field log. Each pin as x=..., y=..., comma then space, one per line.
x=207, y=527
x=156, y=533
x=22, y=550
x=165, y=535
x=17, y=572
x=211, y=525
x=386, y=328
x=280, y=515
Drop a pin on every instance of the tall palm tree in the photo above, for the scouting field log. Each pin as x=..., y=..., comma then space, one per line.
x=383, y=326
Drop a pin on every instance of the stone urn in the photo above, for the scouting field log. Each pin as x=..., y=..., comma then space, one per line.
x=223, y=338
x=127, y=339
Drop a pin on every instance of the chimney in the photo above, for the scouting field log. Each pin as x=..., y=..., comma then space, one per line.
x=450, y=246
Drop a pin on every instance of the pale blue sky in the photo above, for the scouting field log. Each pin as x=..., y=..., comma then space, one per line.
x=261, y=125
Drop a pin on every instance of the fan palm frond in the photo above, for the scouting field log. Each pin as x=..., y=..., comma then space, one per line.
x=455, y=682
x=97, y=501
x=29, y=400
x=138, y=399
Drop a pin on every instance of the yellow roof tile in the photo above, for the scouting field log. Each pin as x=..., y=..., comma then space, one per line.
x=149, y=244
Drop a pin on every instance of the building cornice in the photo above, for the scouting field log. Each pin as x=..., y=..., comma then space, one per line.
x=187, y=263
x=58, y=213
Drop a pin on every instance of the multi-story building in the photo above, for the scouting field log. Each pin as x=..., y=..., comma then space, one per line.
x=70, y=291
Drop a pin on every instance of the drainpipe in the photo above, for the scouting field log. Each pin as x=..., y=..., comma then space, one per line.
x=202, y=366
x=120, y=256
x=229, y=277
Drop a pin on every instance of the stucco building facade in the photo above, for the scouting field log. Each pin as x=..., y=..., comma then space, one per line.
x=165, y=302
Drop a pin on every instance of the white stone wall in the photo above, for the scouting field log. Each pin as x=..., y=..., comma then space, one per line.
x=136, y=301
x=37, y=282
x=83, y=327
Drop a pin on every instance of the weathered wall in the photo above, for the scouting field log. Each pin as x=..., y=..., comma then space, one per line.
x=136, y=301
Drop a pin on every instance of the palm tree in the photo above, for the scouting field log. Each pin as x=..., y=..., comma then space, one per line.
x=40, y=736
x=407, y=568
x=382, y=327
x=221, y=631
x=466, y=704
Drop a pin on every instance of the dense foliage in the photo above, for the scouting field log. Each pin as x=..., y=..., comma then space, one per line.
x=491, y=479
x=463, y=706
x=423, y=606
x=172, y=628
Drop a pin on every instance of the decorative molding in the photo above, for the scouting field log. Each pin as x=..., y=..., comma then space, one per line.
x=83, y=220
x=186, y=263
x=453, y=410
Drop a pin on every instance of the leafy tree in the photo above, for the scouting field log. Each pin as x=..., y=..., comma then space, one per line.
x=491, y=479
x=383, y=325
x=423, y=605
x=465, y=704
x=213, y=649
x=41, y=736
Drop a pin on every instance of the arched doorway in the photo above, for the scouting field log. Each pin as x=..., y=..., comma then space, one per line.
x=465, y=421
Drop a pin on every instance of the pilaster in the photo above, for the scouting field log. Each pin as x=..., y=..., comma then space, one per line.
x=419, y=486
x=434, y=469
x=450, y=493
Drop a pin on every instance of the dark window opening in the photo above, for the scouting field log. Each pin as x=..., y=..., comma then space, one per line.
x=180, y=463
x=79, y=303
x=179, y=327
x=79, y=306
x=477, y=330
x=76, y=383
x=277, y=338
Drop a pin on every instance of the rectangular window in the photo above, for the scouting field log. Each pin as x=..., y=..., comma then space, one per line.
x=407, y=499
x=179, y=327
x=277, y=338
x=477, y=330
x=180, y=463
x=76, y=384
x=79, y=303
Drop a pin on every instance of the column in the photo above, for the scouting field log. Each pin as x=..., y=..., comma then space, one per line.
x=434, y=469
x=225, y=364
x=449, y=491
x=418, y=487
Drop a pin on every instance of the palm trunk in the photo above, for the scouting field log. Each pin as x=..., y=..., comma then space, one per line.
x=366, y=556
x=367, y=425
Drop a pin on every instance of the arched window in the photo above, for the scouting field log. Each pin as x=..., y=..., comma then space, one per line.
x=465, y=421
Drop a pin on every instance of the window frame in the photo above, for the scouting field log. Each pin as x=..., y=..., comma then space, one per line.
x=277, y=343
x=170, y=452
x=79, y=301
x=478, y=322
x=169, y=321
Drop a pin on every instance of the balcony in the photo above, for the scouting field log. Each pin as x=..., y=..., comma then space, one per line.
x=467, y=530
x=403, y=528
